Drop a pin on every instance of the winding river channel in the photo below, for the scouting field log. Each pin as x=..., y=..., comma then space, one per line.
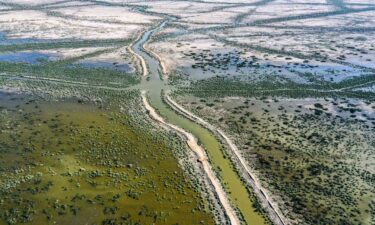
x=154, y=85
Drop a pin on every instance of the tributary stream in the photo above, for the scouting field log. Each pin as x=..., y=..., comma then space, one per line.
x=154, y=86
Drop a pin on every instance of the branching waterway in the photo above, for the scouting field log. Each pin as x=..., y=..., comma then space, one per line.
x=154, y=85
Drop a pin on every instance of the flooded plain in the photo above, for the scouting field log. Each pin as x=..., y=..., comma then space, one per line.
x=73, y=163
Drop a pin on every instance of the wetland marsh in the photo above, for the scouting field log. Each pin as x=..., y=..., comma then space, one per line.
x=71, y=163
x=187, y=112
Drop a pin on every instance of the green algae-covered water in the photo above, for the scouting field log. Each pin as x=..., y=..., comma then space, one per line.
x=233, y=184
x=71, y=163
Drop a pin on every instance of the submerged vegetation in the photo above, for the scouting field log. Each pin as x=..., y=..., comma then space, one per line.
x=67, y=72
x=68, y=162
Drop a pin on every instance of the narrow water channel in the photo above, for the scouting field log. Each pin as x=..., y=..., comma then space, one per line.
x=233, y=184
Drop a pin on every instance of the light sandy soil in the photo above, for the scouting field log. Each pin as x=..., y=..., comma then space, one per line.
x=290, y=9
x=31, y=2
x=40, y=25
x=179, y=8
x=288, y=33
x=117, y=14
x=69, y=4
x=357, y=19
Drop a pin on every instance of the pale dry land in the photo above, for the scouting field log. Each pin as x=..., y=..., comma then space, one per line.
x=324, y=40
x=41, y=25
